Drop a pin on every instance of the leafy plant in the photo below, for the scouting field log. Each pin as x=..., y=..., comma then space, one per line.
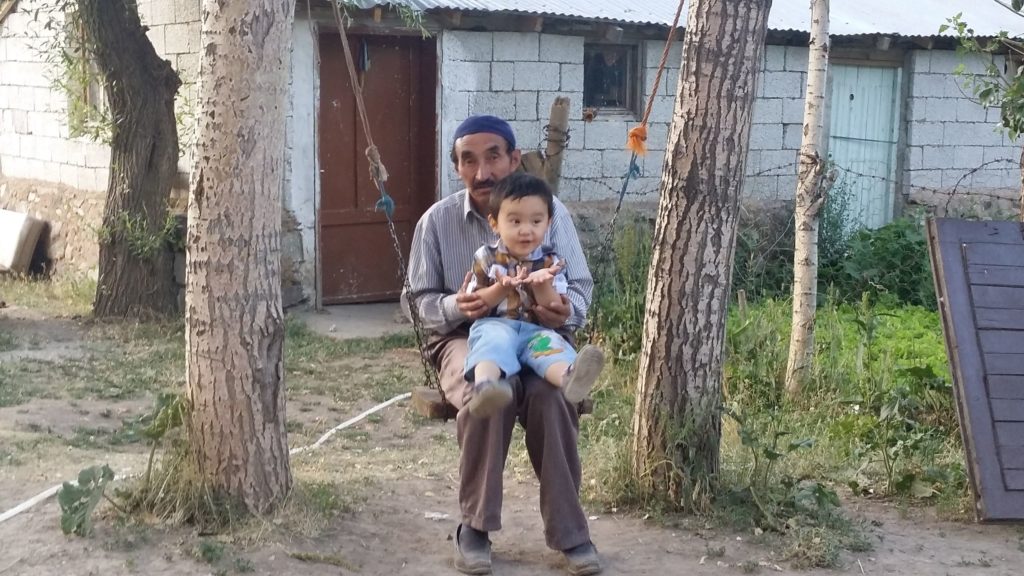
x=78, y=500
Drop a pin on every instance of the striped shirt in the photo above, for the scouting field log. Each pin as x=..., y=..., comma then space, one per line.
x=444, y=242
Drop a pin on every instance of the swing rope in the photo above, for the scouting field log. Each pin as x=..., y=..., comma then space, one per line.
x=636, y=141
x=386, y=203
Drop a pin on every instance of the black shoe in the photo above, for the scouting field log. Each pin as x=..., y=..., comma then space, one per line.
x=473, y=556
x=583, y=560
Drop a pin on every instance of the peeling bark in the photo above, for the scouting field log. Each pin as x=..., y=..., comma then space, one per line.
x=677, y=421
x=235, y=322
x=809, y=200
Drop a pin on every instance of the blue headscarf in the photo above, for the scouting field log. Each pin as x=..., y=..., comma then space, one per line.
x=487, y=124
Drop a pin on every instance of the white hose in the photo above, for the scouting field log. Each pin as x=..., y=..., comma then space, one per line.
x=51, y=491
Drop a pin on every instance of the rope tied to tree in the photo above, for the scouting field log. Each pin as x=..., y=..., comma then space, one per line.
x=637, y=139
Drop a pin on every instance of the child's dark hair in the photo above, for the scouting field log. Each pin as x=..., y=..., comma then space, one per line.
x=519, y=185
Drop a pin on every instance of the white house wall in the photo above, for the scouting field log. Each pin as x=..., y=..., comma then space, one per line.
x=949, y=135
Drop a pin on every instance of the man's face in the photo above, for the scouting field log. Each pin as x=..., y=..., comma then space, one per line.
x=483, y=159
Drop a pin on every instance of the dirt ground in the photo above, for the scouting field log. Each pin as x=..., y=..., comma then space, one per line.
x=380, y=497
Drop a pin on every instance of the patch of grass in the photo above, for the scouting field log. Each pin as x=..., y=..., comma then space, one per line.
x=7, y=341
x=209, y=551
x=88, y=437
x=64, y=296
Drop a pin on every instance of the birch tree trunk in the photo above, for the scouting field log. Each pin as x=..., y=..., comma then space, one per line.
x=136, y=266
x=809, y=200
x=677, y=422
x=235, y=323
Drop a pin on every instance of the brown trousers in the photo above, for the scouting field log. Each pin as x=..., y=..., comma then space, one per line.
x=552, y=428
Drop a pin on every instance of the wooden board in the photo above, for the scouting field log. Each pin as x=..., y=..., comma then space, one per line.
x=979, y=282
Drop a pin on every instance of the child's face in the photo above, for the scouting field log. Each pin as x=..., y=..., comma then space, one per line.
x=521, y=224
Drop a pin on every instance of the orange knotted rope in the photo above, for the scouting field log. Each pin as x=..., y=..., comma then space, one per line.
x=637, y=140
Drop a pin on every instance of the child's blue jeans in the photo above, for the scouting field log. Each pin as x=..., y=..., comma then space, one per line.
x=514, y=344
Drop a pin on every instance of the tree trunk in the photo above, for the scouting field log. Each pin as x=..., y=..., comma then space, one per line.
x=235, y=323
x=136, y=266
x=677, y=423
x=809, y=200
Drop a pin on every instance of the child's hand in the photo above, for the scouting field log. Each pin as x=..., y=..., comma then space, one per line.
x=544, y=275
x=504, y=279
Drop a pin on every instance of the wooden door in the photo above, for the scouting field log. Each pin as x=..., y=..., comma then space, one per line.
x=399, y=76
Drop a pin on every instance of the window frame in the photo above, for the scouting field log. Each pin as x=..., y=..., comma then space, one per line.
x=634, y=79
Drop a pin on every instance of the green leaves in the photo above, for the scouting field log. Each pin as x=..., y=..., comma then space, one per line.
x=77, y=501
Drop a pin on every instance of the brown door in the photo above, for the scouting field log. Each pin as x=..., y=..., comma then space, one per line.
x=399, y=75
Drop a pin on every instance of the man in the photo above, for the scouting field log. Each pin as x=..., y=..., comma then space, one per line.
x=446, y=237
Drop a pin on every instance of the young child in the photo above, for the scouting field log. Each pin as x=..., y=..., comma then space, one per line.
x=510, y=277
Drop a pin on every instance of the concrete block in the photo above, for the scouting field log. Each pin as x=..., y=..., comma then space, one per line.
x=937, y=157
x=974, y=134
x=783, y=84
x=582, y=164
x=766, y=137
x=925, y=133
x=786, y=187
x=537, y=76
x=516, y=46
x=562, y=49
x=928, y=85
x=775, y=58
x=955, y=88
x=796, y=58
x=604, y=135
x=915, y=158
x=176, y=38
x=600, y=189
x=792, y=111
x=577, y=134
x=926, y=179
x=528, y=133
x=657, y=136
x=920, y=62
x=997, y=153
x=187, y=66
x=69, y=175
x=502, y=75
x=941, y=109
x=572, y=78
x=993, y=115
x=525, y=105
x=192, y=36
x=10, y=145
x=21, y=125
x=653, y=50
x=455, y=106
x=969, y=111
x=793, y=136
x=97, y=156
x=946, y=61
x=614, y=163
x=918, y=109
x=467, y=46
x=156, y=38
x=766, y=187
x=160, y=13
x=467, y=76
x=501, y=104
x=663, y=109
x=186, y=10
x=768, y=111
x=968, y=157
x=776, y=163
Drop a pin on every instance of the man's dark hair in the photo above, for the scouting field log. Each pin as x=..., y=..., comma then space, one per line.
x=455, y=156
x=519, y=185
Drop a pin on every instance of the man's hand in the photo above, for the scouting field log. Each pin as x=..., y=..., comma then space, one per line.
x=554, y=314
x=472, y=305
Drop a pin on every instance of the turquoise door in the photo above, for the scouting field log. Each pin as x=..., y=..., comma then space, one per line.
x=863, y=134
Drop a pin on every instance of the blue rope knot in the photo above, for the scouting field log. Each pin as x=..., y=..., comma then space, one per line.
x=386, y=203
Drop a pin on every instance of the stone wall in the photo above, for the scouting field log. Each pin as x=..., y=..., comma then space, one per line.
x=72, y=216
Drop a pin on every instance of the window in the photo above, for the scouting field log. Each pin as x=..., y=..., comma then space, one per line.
x=611, y=77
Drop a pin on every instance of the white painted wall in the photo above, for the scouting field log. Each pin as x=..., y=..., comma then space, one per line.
x=302, y=181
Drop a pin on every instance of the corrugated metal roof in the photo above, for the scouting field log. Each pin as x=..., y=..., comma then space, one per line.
x=848, y=18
